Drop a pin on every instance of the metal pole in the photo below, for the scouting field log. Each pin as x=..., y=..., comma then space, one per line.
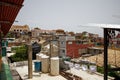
x=58, y=48
x=50, y=48
x=50, y=56
x=105, y=53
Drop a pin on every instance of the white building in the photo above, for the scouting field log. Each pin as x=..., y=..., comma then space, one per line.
x=62, y=44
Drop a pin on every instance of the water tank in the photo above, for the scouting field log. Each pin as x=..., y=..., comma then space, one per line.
x=40, y=55
x=37, y=56
x=37, y=66
x=45, y=64
x=54, y=66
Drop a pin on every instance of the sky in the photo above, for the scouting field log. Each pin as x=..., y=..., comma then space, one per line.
x=70, y=15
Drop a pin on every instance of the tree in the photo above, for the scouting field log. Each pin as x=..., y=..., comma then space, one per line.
x=21, y=53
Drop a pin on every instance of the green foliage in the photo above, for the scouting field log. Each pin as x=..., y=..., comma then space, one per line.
x=9, y=35
x=21, y=53
x=111, y=73
x=100, y=69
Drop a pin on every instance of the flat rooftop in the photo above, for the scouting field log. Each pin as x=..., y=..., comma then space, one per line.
x=85, y=75
x=23, y=72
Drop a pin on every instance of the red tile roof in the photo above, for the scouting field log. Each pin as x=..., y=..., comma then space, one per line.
x=8, y=12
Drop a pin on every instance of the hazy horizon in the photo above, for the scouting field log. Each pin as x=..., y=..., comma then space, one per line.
x=69, y=15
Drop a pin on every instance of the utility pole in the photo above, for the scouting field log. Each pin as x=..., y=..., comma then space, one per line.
x=50, y=48
x=29, y=59
x=50, y=51
x=58, y=48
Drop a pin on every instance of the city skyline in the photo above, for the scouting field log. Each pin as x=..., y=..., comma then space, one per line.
x=69, y=15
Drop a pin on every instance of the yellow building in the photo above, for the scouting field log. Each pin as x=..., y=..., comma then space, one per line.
x=19, y=28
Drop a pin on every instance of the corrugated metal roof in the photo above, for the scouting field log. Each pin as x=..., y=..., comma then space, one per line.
x=8, y=12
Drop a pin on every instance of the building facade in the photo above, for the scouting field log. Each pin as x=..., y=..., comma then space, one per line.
x=36, y=32
x=59, y=32
x=75, y=48
x=19, y=28
x=62, y=44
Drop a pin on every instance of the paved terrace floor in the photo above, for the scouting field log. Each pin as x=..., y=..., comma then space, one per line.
x=23, y=72
x=85, y=75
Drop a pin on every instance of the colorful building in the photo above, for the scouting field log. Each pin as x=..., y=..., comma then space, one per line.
x=62, y=44
x=36, y=32
x=19, y=28
x=75, y=48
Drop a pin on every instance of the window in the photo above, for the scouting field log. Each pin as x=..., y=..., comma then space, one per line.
x=63, y=51
x=69, y=42
x=62, y=42
x=78, y=42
